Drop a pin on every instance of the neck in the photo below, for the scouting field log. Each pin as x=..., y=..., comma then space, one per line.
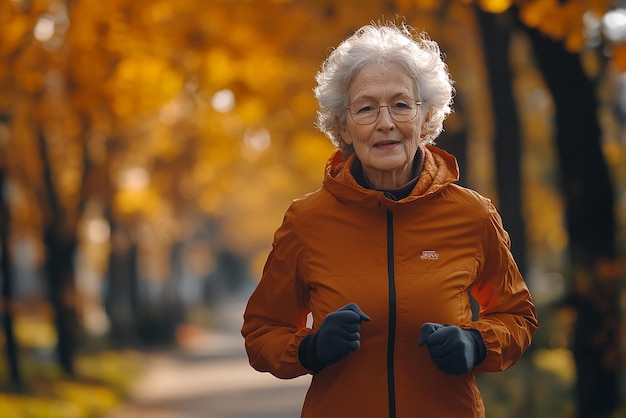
x=395, y=179
x=388, y=180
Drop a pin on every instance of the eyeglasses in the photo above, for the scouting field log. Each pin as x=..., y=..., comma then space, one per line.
x=365, y=112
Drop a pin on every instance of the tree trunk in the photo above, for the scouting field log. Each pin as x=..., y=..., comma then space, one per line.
x=589, y=210
x=174, y=302
x=60, y=243
x=496, y=36
x=59, y=270
x=11, y=347
x=122, y=298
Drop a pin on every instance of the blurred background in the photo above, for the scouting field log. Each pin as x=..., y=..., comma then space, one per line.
x=148, y=151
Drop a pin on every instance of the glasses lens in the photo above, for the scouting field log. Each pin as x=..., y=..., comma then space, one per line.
x=365, y=113
x=403, y=110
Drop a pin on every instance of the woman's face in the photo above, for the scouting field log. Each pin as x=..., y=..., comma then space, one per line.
x=385, y=147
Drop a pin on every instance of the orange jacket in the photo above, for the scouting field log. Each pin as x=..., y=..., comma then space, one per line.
x=404, y=263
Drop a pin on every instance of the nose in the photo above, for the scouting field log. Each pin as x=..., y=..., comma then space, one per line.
x=385, y=121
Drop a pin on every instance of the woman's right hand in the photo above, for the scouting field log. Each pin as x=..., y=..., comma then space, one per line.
x=337, y=337
x=339, y=334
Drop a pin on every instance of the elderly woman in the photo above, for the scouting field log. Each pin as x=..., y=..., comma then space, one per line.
x=385, y=255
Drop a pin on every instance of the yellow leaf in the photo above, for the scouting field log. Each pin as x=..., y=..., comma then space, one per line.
x=495, y=6
x=221, y=68
x=558, y=361
x=252, y=110
x=533, y=13
x=263, y=71
x=143, y=84
x=12, y=32
x=128, y=201
x=574, y=41
x=304, y=104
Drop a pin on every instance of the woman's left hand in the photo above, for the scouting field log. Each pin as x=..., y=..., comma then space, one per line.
x=452, y=349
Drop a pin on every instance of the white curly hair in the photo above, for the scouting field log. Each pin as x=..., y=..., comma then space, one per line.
x=414, y=51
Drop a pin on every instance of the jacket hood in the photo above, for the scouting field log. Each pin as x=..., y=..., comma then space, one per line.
x=440, y=170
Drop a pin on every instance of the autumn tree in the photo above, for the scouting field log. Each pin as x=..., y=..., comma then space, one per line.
x=8, y=294
x=496, y=33
x=185, y=129
x=556, y=32
x=590, y=215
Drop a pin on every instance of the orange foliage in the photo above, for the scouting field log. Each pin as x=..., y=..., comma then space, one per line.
x=495, y=6
x=122, y=83
x=563, y=21
x=619, y=57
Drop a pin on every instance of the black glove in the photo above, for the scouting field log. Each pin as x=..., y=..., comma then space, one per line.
x=452, y=349
x=337, y=337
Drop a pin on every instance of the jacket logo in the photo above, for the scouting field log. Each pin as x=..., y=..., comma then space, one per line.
x=429, y=255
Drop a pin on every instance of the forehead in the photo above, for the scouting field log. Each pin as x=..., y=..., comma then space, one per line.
x=381, y=80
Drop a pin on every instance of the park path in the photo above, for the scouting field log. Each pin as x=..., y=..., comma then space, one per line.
x=211, y=378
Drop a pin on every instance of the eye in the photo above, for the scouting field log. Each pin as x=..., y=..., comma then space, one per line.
x=366, y=108
x=402, y=104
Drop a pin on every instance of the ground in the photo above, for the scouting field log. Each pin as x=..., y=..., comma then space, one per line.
x=211, y=378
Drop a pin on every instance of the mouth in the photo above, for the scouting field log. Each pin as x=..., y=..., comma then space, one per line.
x=386, y=144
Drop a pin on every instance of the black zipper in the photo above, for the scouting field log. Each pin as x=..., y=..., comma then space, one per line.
x=391, y=388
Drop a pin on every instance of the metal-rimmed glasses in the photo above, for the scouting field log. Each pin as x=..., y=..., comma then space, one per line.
x=365, y=112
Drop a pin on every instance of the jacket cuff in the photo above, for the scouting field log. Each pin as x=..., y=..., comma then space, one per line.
x=307, y=353
x=481, y=350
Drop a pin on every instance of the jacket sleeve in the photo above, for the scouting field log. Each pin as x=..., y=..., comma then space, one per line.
x=275, y=317
x=507, y=319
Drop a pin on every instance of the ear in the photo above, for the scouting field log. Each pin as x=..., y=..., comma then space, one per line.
x=426, y=120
